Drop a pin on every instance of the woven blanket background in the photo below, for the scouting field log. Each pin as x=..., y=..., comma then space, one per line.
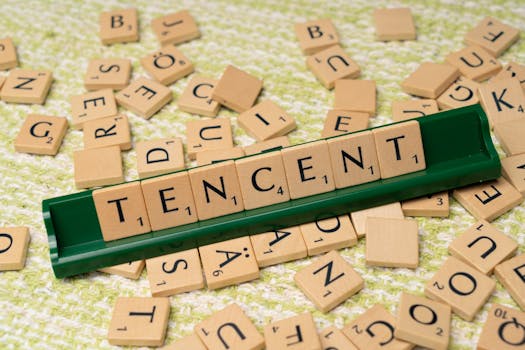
x=41, y=312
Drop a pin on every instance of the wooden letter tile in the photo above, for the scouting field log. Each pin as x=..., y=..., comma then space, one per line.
x=144, y=97
x=160, y=156
x=463, y=92
x=237, y=89
x=218, y=155
x=91, y=106
x=98, y=167
x=189, y=342
x=105, y=132
x=278, y=246
x=510, y=136
x=503, y=330
x=512, y=70
x=294, y=333
x=196, y=97
x=503, y=100
x=404, y=110
x=41, y=134
x=2, y=81
x=356, y=95
x=329, y=234
x=332, y=338
x=430, y=80
x=513, y=169
x=339, y=122
x=208, y=134
x=8, y=57
x=14, y=242
x=316, y=35
x=26, y=86
x=119, y=26
x=167, y=65
x=266, y=120
x=511, y=274
x=107, y=73
x=131, y=270
x=493, y=35
x=265, y=146
x=392, y=210
x=332, y=64
x=394, y=24
x=474, y=63
x=434, y=205
x=175, y=28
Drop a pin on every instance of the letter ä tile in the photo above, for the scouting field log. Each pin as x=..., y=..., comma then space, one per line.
x=26, y=86
x=144, y=97
x=160, y=156
x=41, y=134
x=503, y=330
x=119, y=26
x=297, y=332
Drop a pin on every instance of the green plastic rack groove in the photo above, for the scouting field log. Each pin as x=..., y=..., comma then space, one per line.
x=458, y=152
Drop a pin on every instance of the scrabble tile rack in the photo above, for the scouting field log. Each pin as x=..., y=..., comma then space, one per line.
x=458, y=152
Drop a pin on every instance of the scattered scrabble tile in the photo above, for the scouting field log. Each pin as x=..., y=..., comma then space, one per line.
x=474, y=63
x=403, y=110
x=229, y=328
x=278, y=246
x=463, y=92
x=297, y=332
x=510, y=136
x=139, y=321
x=392, y=210
x=132, y=269
x=493, y=35
x=121, y=211
x=14, y=242
x=430, y=79
x=316, y=35
x=26, y=86
x=119, y=26
x=2, y=81
x=8, y=57
x=338, y=122
x=512, y=70
x=461, y=286
x=144, y=97
x=434, y=205
x=488, y=200
x=167, y=65
x=91, y=106
x=322, y=236
x=511, y=274
x=332, y=64
x=189, y=342
x=333, y=339
x=41, y=134
x=513, y=169
x=264, y=146
x=98, y=167
x=229, y=262
x=196, y=97
x=394, y=24
x=356, y=95
x=175, y=273
x=175, y=28
x=217, y=155
x=105, y=132
x=208, y=134
x=503, y=330
x=237, y=89
x=503, y=100
x=159, y=156
x=107, y=73
x=266, y=120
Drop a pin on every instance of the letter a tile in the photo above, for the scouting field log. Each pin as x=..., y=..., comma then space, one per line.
x=503, y=330
x=278, y=246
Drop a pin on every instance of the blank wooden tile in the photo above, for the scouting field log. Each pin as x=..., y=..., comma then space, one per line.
x=144, y=97
x=394, y=24
x=392, y=210
x=403, y=110
x=91, y=106
x=104, y=132
x=139, y=321
x=510, y=136
x=434, y=205
x=191, y=341
x=264, y=146
x=167, y=65
x=217, y=155
x=175, y=273
x=121, y=211
x=41, y=134
x=297, y=332
x=423, y=322
x=229, y=328
x=159, y=156
x=503, y=329
x=513, y=169
x=488, y=200
x=474, y=63
x=316, y=35
x=14, y=242
x=107, y=73
x=175, y=28
x=119, y=26
x=208, y=134
x=8, y=57
x=332, y=64
x=26, y=86
x=502, y=100
x=461, y=286
x=216, y=190
x=237, y=89
x=493, y=35
x=463, y=92
x=196, y=97
x=278, y=246
x=511, y=274
x=98, y=167
x=132, y=269
x=266, y=120
x=356, y=95
x=333, y=339
x=430, y=79
x=512, y=70
x=229, y=262
x=339, y=122
x=322, y=236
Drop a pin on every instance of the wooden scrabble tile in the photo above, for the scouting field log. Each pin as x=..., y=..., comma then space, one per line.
x=325, y=235
x=2, y=81
x=175, y=28
x=512, y=70
x=332, y=64
x=218, y=155
x=513, y=169
x=121, y=211
x=333, y=339
x=229, y=328
x=237, y=89
x=14, y=242
x=107, y=73
x=404, y=110
x=196, y=97
x=483, y=246
x=278, y=246
x=175, y=273
x=139, y=321
x=503, y=329
x=493, y=35
x=434, y=205
x=474, y=63
x=329, y=281
x=216, y=190
x=308, y=169
x=463, y=92
x=356, y=95
x=110, y=131
x=510, y=136
x=228, y=263
x=488, y=200
x=167, y=65
x=41, y=134
x=262, y=179
x=132, y=269
x=354, y=159
x=399, y=149
x=92, y=105
x=461, y=286
x=26, y=86
x=159, y=156
x=169, y=200
x=208, y=134
x=264, y=146
x=423, y=322
x=8, y=57
x=394, y=24
x=266, y=120
x=316, y=35
x=144, y=97
x=191, y=341
x=374, y=330
x=503, y=100
x=98, y=167
x=392, y=210
x=119, y=26
x=430, y=79
x=339, y=122
x=511, y=274
x=297, y=332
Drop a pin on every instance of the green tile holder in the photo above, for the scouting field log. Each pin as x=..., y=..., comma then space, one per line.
x=458, y=152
